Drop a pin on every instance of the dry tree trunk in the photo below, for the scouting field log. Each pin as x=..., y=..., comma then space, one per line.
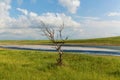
x=49, y=32
x=59, y=61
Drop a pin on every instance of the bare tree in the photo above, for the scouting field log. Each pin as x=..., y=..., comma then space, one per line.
x=56, y=37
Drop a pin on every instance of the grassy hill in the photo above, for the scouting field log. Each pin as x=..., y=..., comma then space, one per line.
x=111, y=41
x=36, y=65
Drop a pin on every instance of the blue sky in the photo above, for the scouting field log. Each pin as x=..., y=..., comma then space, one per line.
x=82, y=18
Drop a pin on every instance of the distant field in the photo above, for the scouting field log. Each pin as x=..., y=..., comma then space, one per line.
x=111, y=41
x=36, y=65
x=22, y=42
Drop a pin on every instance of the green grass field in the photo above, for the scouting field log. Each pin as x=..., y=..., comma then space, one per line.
x=111, y=41
x=37, y=65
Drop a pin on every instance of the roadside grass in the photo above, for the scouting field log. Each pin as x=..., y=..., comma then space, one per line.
x=40, y=65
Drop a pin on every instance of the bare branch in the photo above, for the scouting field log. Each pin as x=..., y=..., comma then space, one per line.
x=49, y=32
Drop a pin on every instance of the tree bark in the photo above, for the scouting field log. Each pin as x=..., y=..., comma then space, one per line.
x=59, y=61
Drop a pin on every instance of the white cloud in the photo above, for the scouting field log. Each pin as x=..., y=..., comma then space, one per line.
x=33, y=14
x=58, y=19
x=32, y=19
x=71, y=5
x=114, y=14
x=4, y=8
x=24, y=11
x=4, y=12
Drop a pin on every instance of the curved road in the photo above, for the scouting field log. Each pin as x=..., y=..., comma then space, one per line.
x=90, y=50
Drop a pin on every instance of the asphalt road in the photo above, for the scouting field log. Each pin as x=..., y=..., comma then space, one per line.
x=78, y=49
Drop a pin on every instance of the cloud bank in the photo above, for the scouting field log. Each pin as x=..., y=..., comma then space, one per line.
x=27, y=23
x=114, y=14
